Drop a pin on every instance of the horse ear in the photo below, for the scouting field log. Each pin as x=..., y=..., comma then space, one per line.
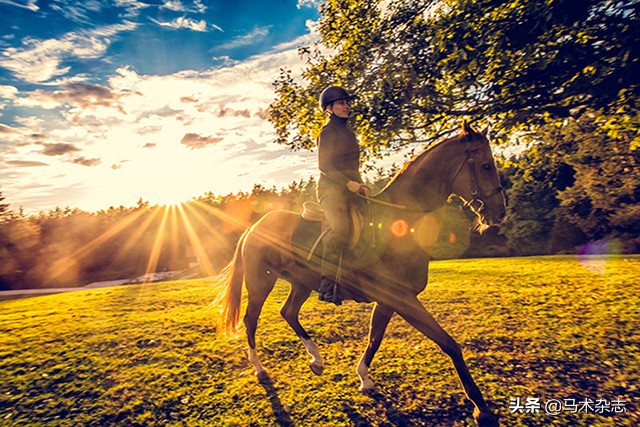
x=466, y=128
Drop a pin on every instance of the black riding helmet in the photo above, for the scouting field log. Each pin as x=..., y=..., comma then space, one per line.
x=332, y=94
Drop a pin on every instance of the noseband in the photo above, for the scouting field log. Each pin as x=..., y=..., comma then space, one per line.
x=476, y=203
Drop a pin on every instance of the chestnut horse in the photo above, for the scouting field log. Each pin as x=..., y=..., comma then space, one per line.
x=406, y=217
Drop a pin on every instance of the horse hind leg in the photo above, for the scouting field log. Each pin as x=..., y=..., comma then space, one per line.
x=259, y=284
x=290, y=311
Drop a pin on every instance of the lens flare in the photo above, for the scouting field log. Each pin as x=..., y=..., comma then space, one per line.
x=399, y=228
x=593, y=256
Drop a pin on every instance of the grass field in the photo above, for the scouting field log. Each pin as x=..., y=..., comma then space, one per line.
x=148, y=355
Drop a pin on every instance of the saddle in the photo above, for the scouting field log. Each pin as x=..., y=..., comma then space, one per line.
x=312, y=212
x=307, y=238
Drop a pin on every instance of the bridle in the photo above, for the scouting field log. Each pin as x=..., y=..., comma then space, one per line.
x=476, y=204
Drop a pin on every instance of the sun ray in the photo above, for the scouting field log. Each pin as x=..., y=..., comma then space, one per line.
x=196, y=243
x=174, y=233
x=203, y=221
x=231, y=219
x=154, y=256
x=59, y=267
x=135, y=237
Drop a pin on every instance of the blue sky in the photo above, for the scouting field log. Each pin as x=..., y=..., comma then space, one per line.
x=104, y=102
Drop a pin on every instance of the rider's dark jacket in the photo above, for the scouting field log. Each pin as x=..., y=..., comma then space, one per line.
x=338, y=157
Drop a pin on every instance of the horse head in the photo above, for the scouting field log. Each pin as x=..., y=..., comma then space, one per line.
x=475, y=180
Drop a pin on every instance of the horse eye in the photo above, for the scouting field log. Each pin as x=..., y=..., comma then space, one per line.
x=486, y=167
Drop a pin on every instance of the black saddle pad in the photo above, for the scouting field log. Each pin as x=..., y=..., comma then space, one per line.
x=304, y=238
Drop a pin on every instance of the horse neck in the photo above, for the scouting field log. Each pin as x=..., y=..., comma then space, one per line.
x=424, y=182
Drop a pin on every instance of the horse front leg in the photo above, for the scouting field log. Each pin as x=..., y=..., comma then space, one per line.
x=415, y=313
x=380, y=317
x=290, y=312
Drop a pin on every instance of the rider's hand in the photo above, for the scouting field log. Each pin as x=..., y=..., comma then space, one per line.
x=366, y=191
x=353, y=186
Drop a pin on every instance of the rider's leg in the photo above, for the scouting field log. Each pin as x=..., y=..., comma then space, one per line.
x=335, y=205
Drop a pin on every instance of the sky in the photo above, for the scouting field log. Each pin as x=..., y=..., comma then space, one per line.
x=106, y=102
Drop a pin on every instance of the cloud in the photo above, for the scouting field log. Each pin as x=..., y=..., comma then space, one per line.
x=4, y=129
x=86, y=162
x=38, y=61
x=29, y=4
x=219, y=114
x=175, y=5
x=309, y=3
x=118, y=165
x=84, y=11
x=8, y=92
x=25, y=163
x=187, y=23
x=131, y=7
x=254, y=36
x=80, y=95
x=58, y=149
x=193, y=140
x=76, y=11
x=178, y=6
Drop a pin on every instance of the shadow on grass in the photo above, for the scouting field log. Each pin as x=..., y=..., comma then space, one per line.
x=280, y=414
x=449, y=413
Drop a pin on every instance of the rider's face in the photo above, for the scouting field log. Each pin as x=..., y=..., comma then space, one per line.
x=340, y=108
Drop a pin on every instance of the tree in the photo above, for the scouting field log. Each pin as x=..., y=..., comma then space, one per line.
x=419, y=66
x=4, y=209
x=604, y=201
x=535, y=178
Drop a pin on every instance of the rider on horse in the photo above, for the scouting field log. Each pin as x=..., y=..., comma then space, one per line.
x=340, y=180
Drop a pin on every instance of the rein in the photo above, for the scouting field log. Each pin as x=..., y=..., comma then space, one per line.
x=389, y=204
x=476, y=203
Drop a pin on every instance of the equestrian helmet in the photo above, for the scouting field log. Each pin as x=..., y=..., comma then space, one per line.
x=332, y=94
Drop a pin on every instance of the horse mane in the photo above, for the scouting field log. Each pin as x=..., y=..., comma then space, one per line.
x=417, y=157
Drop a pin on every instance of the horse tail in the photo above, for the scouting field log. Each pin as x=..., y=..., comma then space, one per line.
x=231, y=278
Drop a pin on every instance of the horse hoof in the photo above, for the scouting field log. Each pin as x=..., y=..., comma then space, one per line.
x=316, y=368
x=263, y=377
x=368, y=390
x=485, y=419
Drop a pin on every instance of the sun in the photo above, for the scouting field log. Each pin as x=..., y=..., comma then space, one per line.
x=170, y=177
x=168, y=191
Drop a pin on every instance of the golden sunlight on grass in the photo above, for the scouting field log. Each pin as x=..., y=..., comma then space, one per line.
x=148, y=355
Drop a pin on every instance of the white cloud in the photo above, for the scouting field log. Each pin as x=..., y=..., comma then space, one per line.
x=305, y=40
x=8, y=92
x=309, y=3
x=131, y=7
x=178, y=6
x=29, y=4
x=181, y=22
x=255, y=35
x=38, y=61
x=199, y=6
x=175, y=5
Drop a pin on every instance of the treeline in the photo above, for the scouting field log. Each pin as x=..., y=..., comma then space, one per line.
x=70, y=247
x=574, y=189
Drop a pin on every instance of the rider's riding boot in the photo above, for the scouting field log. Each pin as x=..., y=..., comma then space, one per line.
x=328, y=287
x=328, y=291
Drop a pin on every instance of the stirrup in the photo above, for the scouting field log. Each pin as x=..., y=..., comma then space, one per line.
x=328, y=291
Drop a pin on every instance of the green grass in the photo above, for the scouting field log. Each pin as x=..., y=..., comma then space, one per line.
x=148, y=355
